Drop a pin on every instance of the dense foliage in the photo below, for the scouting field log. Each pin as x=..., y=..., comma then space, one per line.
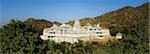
x=19, y=37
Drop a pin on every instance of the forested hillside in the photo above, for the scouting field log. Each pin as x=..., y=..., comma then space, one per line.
x=23, y=37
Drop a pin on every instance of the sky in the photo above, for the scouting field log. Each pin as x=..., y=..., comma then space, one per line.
x=60, y=10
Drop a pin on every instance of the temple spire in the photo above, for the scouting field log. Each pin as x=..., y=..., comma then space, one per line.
x=76, y=24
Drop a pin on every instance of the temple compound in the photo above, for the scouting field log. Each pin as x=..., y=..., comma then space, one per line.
x=68, y=33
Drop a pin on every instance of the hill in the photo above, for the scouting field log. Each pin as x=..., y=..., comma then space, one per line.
x=119, y=19
x=126, y=17
x=39, y=24
x=23, y=37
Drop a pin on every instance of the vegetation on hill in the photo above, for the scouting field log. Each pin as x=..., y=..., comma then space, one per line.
x=23, y=37
x=38, y=24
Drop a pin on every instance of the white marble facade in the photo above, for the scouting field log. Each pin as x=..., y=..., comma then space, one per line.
x=67, y=33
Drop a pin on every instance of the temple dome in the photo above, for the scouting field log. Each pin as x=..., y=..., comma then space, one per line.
x=65, y=25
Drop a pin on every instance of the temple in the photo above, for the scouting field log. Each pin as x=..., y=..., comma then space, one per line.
x=68, y=33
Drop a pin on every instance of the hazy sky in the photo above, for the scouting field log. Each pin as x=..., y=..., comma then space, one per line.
x=59, y=10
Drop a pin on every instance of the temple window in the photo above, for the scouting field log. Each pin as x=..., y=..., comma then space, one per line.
x=98, y=32
x=100, y=36
x=48, y=36
x=52, y=32
x=51, y=36
x=90, y=29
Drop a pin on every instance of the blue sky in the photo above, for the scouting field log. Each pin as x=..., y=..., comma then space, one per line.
x=59, y=10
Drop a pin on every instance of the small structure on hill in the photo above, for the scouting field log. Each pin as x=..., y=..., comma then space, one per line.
x=118, y=36
x=67, y=33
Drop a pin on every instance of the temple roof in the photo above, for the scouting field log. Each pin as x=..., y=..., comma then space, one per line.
x=65, y=25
